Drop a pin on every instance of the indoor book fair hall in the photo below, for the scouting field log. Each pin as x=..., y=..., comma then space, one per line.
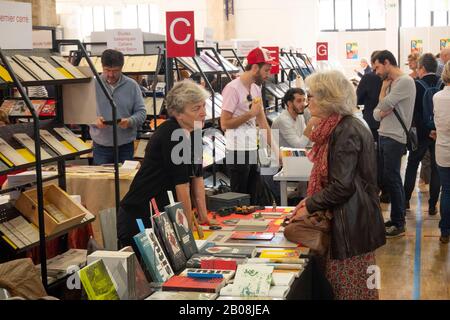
x=197, y=150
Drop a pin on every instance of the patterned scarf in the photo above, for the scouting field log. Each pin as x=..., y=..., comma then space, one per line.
x=319, y=153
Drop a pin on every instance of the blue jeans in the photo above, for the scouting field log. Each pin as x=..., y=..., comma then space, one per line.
x=414, y=159
x=391, y=153
x=104, y=155
x=444, y=224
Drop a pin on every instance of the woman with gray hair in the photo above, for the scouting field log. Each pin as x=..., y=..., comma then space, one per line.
x=170, y=163
x=343, y=182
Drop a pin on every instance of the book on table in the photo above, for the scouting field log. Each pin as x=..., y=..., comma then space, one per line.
x=252, y=280
x=180, y=283
x=97, y=282
x=31, y=67
x=29, y=144
x=11, y=154
x=228, y=251
x=54, y=143
x=182, y=295
x=48, y=67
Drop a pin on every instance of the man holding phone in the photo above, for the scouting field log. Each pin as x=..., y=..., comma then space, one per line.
x=131, y=111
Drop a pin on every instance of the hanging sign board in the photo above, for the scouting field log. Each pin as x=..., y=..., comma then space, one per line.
x=322, y=51
x=275, y=55
x=243, y=47
x=180, y=34
x=42, y=39
x=127, y=41
x=15, y=25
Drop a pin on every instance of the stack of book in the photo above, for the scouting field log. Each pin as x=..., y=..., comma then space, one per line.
x=17, y=108
x=19, y=233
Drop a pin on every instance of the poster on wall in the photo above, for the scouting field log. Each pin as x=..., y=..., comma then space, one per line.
x=15, y=19
x=352, y=50
x=417, y=46
x=127, y=41
x=444, y=43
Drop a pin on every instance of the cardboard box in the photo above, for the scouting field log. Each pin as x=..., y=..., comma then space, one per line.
x=27, y=204
x=297, y=166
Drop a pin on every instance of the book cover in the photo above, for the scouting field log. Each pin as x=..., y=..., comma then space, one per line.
x=252, y=280
x=169, y=239
x=7, y=105
x=3, y=166
x=19, y=71
x=251, y=225
x=4, y=74
x=182, y=295
x=196, y=272
x=28, y=143
x=62, y=262
x=252, y=236
x=48, y=109
x=10, y=237
x=72, y=139
x=153, y=255
x=48, y=67
x=54, y=143
x=149, y=63
x=179, y=283
x=181, y=226
x=31, y=67
x=69, y=67
x=275, y=292
x=120, y=266
x=228, y=251
x=11, y=154
x=25, y=230
x=279, y=253
x=97, y=282
x=210, y=262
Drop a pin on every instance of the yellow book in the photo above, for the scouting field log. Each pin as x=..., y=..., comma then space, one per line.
x=9, y=242
x=6, y=160
x=278, y=254
x=27, y=155
x=69, y=146
x=65, y=73
x=97, y=282
x=4, y=74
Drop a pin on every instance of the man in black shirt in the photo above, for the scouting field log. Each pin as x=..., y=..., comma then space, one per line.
x=172, y=161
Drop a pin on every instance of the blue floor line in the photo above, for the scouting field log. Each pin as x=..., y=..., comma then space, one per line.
x=418, y=251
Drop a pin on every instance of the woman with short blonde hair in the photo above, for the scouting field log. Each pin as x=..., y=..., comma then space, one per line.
x=343, y=182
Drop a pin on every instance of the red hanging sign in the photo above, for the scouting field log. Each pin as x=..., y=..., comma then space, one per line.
x=275, y=55
x=322, y=51
x=180, y=34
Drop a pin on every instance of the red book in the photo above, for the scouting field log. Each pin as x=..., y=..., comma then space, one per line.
x=252, y=236
x=179, y=283
x=218, y=264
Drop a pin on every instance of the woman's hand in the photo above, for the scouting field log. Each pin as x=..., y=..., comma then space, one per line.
x=299, y=211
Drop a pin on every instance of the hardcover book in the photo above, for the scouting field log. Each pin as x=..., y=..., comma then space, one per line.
x=69, y=67
x=48, y=67
x=143, y=289
x=275, y=292
x=252, y=236
x=211, y=262
x=121, y=267
x=153, y=255
x=54, y=143
x=182, y=295
x=72, y=139
x=28, y=143
x=31, y=67
x=279, y=253
x=228, y=251
x=179, y=283
x=199, y=273
x=252, y=280
x=19, y=71
x=97, y=282
x=169, y=239
x=11, y=154
x=182, y=230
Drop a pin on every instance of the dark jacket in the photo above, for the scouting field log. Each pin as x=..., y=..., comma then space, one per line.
x=366, y=71
x=423, y=132
x=352, y=193
x=368, y=93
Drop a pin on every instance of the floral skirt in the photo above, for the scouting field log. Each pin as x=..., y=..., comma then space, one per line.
x=349, y=277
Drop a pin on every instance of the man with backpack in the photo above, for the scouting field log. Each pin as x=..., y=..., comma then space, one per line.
x=426, y=87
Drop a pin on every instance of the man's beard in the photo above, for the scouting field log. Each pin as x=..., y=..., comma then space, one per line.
x=259, y=80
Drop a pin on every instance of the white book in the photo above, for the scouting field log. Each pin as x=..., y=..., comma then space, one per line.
x=251, y=225
x=28, y=143
x=69, y=67
x=282, y=279
x=8, y=232
x=53, y=143
x=182, y=295
x=273, y=292
x=140, y=150
x=19, y=71
x=252, y=280
x=71, y=258
x=71, y=138
x=48, y=67
x=33, y=68
x=10, y=153
x=121, y=267
x=25, y=229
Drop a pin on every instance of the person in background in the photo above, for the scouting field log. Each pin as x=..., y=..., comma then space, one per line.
x=427, y=67
x=444, y=57
x=397, y=92
x=441, y=102
x=131, y=111
x=413, y=60
x=365, y=67
x=344, y=182
x=162, y=170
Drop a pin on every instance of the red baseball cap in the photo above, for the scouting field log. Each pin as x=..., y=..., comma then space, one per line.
x=259, y=55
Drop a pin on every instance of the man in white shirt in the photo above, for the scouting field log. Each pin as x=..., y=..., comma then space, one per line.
x=291, y=122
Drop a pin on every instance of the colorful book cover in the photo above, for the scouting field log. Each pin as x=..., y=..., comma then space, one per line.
x=352, y=50
x=97, y=282
x=181, y=226
x=153, y=255
x=211, y=262
x=279, y=253
x=180, y=283
x=228, y=252
x=252, y=236
x=252, y=280
x=417, y=46
x=444, y=43
x=169, y=239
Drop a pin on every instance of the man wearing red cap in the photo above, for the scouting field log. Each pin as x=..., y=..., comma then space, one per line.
x=242, y=110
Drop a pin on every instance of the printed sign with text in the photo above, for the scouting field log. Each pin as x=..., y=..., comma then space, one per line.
x=180, y=34
x=127, y=41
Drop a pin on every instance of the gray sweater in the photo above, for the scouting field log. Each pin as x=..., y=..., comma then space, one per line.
x=401, y=95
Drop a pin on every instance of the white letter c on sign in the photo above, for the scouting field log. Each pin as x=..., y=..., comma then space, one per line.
x=172, y=33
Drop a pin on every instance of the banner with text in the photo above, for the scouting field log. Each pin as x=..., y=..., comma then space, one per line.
x=15, y=25
x=127, y=41
x=180, y=34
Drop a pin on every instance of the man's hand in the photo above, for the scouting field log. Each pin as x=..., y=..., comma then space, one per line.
x=384, y=114
x=124, y=123
x=99, y=123
x=433, y=135
x=256, y=107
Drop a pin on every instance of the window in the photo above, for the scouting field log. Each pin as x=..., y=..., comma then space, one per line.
x=352, y=15
x=99, y=18
x=425, y=13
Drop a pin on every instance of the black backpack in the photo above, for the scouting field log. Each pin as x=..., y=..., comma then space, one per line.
x=428, y=107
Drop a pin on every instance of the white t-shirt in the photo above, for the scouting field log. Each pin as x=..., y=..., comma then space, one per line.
x=441, y=103
x=235, y=101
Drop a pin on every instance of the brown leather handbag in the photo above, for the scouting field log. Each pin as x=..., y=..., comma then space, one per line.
x=311, y=231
